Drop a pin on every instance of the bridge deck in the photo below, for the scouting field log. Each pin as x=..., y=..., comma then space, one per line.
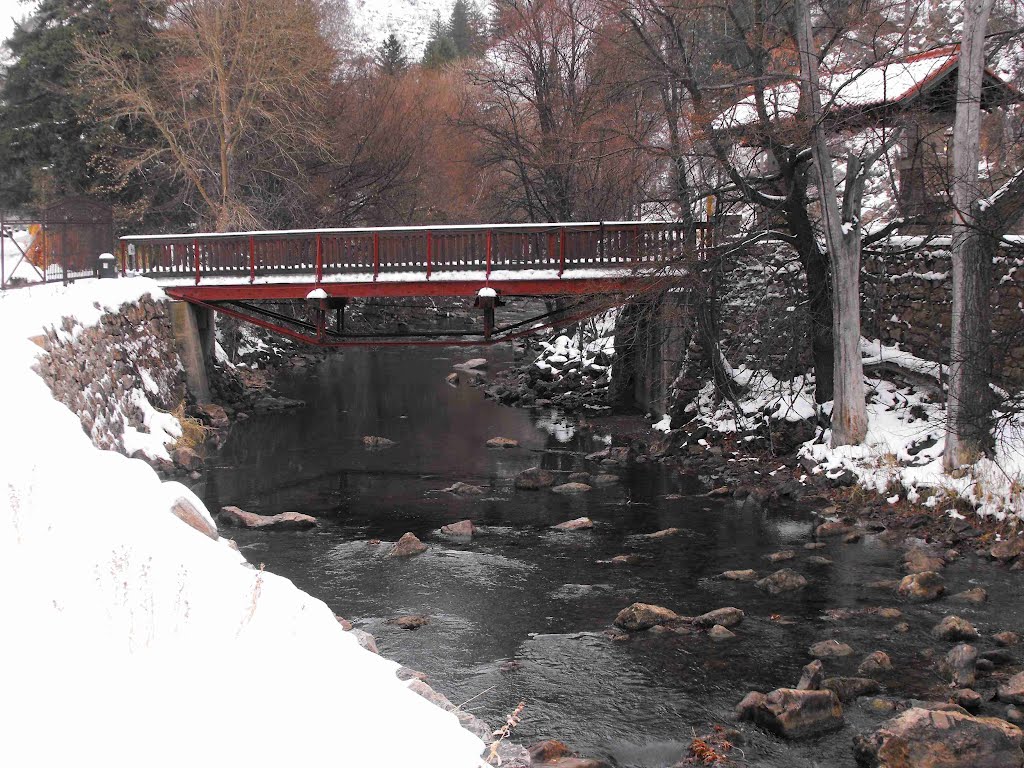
x=535, y=259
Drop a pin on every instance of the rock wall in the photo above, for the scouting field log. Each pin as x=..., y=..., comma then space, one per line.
x=907, y=300
x=112, y=375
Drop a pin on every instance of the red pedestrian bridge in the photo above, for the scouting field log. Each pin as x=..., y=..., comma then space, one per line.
x=324, y=268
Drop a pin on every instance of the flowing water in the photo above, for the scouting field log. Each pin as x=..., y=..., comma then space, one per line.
x=521, y=592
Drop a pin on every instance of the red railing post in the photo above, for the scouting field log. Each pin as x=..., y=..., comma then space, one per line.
x=488, y=253
x=319, y=259
x=124, y=259
x=195, y=254
x=252, y=259
x=430, y=243
x=561, y=251
x=376, y=255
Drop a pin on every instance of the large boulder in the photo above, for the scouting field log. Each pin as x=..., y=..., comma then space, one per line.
x=921, y=738
x=533, y=478
x=407, y=546
x=922, y=587
x=783, y=580
x=795, y=714
x=727, y=617
x=215, y=415
x=641, y=616
x=284, y=521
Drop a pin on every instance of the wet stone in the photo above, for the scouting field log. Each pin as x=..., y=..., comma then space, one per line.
x=849, y=688
x=829, y=649
x=783, y=580
x=811, y=676
x=578, y=524
x=745, y=575
x=954, y=628
x=1005, y=639
x=977, y=595
x=571, y=489
x=922, y=587
x=780, y=557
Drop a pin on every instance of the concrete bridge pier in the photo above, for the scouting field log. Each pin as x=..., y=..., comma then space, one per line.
x=651, y=339
x=194, y=330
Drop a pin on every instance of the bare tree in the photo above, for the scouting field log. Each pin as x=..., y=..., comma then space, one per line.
x=979, y=224
x=235, y=91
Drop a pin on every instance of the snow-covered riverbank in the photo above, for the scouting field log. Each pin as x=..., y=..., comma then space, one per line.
x=120, y=619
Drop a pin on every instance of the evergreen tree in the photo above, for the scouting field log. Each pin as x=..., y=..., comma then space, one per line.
x=467, y=29
x=51, y=142
x=440, y=48
x=391, y=57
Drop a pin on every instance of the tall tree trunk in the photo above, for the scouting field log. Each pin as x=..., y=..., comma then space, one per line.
x=969, y=411
x=842, y=234
x=817, y=272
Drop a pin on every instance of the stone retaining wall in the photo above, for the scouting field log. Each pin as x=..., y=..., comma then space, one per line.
x=907, y=300
x=100, y=372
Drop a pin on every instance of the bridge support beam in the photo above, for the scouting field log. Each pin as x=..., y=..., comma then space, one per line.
x=195, y=337
x=651, y=337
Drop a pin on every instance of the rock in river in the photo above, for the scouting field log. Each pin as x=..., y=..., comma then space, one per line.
x=795, y=714
x=849, y=688
x=414, y=621
x=463, y=489
x=922, y=587
x=377, y=442
x=663, y=534
x=641, y=616
x=502, y=442
x=533, y=478
x=463, y=529
x=961, y=664
x=829, y=649
x=727, y=617
x=875, y=664
x=579, y=524
x=783, y=580
x=921, y=738
x=407, y=546
x=1012, y=691
x=954, y=628
x=284, y=521
x=744, y=575
x=718, y=633
x=571, y=488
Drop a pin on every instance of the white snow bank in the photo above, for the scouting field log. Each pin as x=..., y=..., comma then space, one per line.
x=906, y=435
x=130, y=635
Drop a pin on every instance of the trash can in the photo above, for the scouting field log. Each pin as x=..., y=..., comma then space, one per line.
x=106, y=265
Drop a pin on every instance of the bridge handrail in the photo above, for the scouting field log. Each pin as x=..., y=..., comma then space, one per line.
x=376, y=251
x=441, y=228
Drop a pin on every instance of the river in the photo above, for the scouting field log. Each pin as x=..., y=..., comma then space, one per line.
x=523, y=593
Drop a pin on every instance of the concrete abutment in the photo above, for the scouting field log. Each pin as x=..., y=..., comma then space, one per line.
x=194, y=329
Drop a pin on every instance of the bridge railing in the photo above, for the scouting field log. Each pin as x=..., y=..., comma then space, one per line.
x=419, y=252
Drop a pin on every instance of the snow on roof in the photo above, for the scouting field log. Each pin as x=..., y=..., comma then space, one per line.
x=888, y=82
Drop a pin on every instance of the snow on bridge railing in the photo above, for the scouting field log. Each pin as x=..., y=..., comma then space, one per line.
x=417, y=250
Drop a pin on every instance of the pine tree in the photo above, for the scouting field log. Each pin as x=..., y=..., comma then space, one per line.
x=467, y=27
x=51, y=142
x=391, y=57
x=440, y=49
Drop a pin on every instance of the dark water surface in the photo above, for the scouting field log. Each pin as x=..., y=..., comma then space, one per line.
x=522, y=592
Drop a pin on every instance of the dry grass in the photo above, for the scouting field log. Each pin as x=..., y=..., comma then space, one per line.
x=503, y=733
x=193, y=431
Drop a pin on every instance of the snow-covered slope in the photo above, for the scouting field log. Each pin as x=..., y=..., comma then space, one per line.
x=371, y=21
x=131, y=638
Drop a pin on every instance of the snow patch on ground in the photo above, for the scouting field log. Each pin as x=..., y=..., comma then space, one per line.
x=902, y=453
x=126, y=616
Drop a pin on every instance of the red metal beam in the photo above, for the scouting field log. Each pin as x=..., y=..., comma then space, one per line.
x=435, y=288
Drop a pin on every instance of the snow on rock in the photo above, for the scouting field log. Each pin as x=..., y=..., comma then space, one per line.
x=126, y=615
x=316, y=293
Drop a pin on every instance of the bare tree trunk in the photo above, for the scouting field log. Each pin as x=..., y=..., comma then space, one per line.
x=842, y=234
x=969, y=411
